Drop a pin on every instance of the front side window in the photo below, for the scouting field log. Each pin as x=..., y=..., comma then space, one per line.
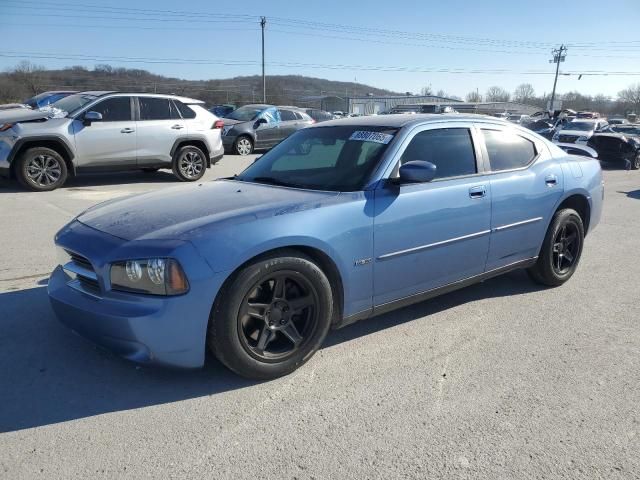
x=507, y=150
x=449, y=149
x=157, y=109
x=271, y=115
x=337, y=158
x=116, y=109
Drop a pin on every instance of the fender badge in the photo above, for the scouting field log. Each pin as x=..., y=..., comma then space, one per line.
x=362, y=261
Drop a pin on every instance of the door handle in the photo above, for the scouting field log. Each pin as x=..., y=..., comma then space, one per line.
x=177, y=126
x=127, y=130
x=477, y=192
x=551, y=180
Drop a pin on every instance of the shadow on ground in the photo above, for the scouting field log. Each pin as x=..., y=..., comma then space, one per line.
x=50, y=375
x=632, y=194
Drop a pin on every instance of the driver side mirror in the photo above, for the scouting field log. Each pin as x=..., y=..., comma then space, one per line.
x=90, y=117
x=259, y=122
x=417, y=171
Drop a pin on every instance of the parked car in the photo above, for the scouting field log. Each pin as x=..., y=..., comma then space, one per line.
x=47, y=98
x=338, y=114
x=617, y=148
x=579, y=131
x=632, y=129
x=318, y=115
x=109, y=131
x=520, y=119
x=575, y=149
x=258, y=127
x=341, y=221
x=618, y=121
x=545, y=128
x=222, y=111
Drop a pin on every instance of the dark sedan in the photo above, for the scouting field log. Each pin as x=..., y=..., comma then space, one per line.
x=617, y=148
x=256, y=127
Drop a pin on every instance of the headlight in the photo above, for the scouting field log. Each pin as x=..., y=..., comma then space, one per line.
x=582, y=139
x=153, y=276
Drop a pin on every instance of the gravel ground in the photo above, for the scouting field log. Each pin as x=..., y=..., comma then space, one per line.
x=500, y=380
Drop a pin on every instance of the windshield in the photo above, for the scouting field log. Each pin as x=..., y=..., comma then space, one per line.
x=245, y=114
x=323, y=158
x=581, y=126
x=72, y=103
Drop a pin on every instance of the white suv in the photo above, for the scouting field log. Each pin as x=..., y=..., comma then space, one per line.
x=580, y=130
x=98, y=131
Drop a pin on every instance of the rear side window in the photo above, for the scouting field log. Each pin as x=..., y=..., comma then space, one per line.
x=449, y=149
x=287, y=115
x=507, y=150
x=157, y=109
x=116, y=109
x=184, y=110
x=298, y=116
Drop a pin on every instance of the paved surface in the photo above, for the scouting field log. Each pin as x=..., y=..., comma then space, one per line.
x=501, y=380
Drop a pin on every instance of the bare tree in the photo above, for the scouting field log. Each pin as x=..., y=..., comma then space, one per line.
x=29, y=75
x=631, y=97
x=442, y=93
x=497, y=94
x=424, y=91
x=524, y=93
x=474, y=97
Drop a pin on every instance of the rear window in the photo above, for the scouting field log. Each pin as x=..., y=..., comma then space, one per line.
x=157, y=109
x=287, y=115
x=507, y=150
x=186, y=111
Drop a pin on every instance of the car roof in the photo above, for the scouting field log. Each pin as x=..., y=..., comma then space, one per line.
x=614, y=135
x=258, y=105
x=102, y=93
x=402, y=120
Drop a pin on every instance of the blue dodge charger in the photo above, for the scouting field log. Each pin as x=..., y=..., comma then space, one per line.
x=340, y=222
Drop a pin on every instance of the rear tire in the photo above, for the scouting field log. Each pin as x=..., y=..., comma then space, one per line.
x=189, y=164
x=635, y=164
x=41, y=169
x=261, y=330
x=561, y=249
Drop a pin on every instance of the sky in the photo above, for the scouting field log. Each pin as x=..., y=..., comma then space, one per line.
x=454, y=45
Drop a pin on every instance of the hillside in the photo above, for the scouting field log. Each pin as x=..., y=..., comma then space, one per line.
x=27, y=80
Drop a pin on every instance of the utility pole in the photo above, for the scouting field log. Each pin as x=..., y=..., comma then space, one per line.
x=558, y=56
x=263, y=23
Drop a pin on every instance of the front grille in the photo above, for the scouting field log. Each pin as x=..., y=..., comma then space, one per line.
x=82, y=272
x=89, y=284
x=568, y=138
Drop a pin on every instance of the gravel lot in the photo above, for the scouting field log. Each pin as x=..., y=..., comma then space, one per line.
x=500, y=380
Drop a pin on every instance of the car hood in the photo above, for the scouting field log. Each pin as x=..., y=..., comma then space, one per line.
x=229, y=122
x=180, y=213
x=21, y=115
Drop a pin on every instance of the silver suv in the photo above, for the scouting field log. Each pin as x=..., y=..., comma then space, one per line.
x=100, y=131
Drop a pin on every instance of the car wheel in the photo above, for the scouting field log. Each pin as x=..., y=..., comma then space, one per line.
x=271, y=316
x=189, y=164
x=561, y=249
x=150, y=170
x=41, y=169
x=636, y=163
x=243, y=145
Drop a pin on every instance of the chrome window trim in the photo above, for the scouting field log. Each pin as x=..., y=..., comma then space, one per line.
x=432, y=245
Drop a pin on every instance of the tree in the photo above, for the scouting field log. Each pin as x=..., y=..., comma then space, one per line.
x=631, y=97
x=524, y=93
x=497, y=94
x=474, y=97
x=29, y=75
x=442, y=93
x=425, y=91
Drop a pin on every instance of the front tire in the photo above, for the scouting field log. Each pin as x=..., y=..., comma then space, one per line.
x=243, y=145
x=272, y=316
x=561, y=249
x=189, y=164
x=41, y=169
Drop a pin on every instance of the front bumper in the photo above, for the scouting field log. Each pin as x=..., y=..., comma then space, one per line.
x=169, y=331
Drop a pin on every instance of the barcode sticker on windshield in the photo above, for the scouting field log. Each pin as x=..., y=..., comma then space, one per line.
x=376, y=137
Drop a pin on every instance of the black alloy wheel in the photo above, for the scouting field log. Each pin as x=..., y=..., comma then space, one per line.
x=271, y=315
x=278, y=315
x=566, y=248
